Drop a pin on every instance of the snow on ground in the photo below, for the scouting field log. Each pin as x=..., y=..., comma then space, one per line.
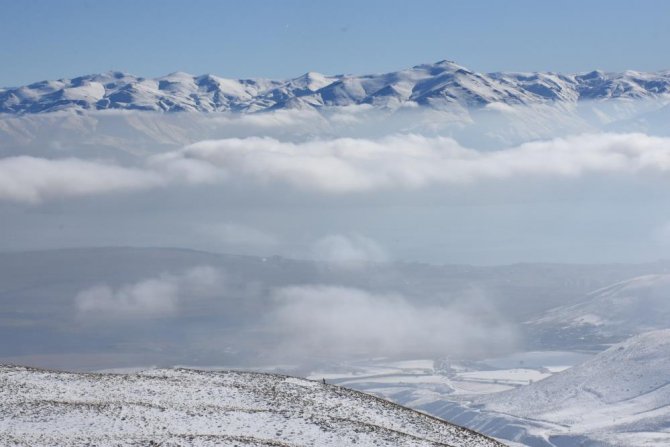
x=413, y=364
x=538, y=359
x=619, y=397
x=516, y=376
x=391, y=378
x=178, y=407
x=614, y=312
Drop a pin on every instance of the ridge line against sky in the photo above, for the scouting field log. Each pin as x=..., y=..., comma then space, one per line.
x=140, y=76
x=260, y=38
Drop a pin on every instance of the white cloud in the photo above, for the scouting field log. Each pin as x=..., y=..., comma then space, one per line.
x=177, y=169
x=500, y=107
x=340, y=165
x=151, y=297
x=661, y=233
x=351, y=250
x=348, y=165
x=32, y=180
x=326, y=321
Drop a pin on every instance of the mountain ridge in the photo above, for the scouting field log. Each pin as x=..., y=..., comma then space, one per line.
x=191, y=407
x=441, y=85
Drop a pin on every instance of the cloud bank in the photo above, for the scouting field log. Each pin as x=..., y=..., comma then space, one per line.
x=322, y=321
x=31, y=179
x=305, y=323
x=339, y=166
x=150, y=297
x=348, y=165
x=348, y=250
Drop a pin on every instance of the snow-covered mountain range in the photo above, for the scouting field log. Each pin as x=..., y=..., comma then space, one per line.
x=442, y=85
x=188, y=407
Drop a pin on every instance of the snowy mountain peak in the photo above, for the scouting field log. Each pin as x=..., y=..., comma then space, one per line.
x=441, y=85
x=442, y=66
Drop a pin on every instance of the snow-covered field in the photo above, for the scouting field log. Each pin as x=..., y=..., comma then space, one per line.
x=451, y=380
x=177, y=407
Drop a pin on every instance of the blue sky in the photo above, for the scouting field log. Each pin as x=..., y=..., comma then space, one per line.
x=47, y=39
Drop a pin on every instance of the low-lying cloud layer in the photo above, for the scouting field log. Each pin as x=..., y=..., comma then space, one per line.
x=31, y=179
x=329, y=322
x=348, y=165
x=349, y=251
x=150, y=297
x=305, y=323
x=339, y=166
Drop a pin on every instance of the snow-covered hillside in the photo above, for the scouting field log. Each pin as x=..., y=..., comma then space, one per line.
x=611, y=313
x=173, y=407
x=442, y=85
x=620, y=397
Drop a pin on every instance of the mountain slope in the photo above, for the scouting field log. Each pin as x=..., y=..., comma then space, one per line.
x=619, y=397
x=443, y=85
x=622, y=391
x=188, y=407
x=611, y=313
